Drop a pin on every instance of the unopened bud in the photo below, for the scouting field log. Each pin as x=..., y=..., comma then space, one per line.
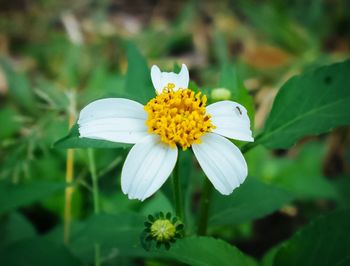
x=220, y=94
x=161, y=229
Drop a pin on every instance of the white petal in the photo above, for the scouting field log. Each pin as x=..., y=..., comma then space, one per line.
x=170, y=77
x=156, y=77
x=161, y=80
x=146, y=168
x=231, y=120
x=113, y=119
x=221, y=161
x=184, y=77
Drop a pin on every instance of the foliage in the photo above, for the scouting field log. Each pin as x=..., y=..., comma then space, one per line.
x=308, y=104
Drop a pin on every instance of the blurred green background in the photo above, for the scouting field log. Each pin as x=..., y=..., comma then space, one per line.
x=57, y=56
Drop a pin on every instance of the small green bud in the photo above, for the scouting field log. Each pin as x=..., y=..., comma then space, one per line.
x=220, y=94
x=161, y=229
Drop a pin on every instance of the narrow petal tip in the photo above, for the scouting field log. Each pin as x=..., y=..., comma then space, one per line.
x=156, y=77
x=184, y=77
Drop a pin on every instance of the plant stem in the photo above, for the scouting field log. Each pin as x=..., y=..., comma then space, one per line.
x=204, y=207
x=177, y=191
x=206, y=195
x=94, y=178
x=247, y=147
x=68, y=193
x=95, y=194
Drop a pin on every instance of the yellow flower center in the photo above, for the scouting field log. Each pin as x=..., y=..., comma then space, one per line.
x=178, y=117
x=163, y=230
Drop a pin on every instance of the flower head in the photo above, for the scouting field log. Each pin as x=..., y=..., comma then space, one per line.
x=176, y=117
x=162, y=229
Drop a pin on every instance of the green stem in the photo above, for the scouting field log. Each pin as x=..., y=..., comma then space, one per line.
x=204, y=207
x=95, y=194
x=207, y=191
x=94, y=177
x=177, y=191
x=247, y=147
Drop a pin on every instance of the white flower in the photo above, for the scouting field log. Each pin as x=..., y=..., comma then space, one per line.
x=176, y=117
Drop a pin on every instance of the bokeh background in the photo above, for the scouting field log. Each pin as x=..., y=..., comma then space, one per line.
x=57, y=56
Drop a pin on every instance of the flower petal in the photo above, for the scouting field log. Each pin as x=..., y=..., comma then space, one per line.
x=156, y=77
x=183, y=78
x=161, y=80
x=221, y=161
x=146, y=168
x=231, y=120
x=113, y=119
x=170, y=77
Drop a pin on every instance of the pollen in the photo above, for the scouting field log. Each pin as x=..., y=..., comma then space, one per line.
x=163, y=230
x=178, y=117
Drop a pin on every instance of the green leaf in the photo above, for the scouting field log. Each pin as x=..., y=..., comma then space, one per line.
x=204, y=251
x=252, y=200
x=269, y=256
x=342, y=185
x=138, y=78
x=13, y=228
x=220, y=48
x=8, y=118
x=113, y=232
x=303, y=186
x=103, y=83
x=73, y=140
x=325, y=241
x=19, y=87
x=159, y=202
x=300, y=175
x=37, y=251
x=309, y=104
x=14, y=196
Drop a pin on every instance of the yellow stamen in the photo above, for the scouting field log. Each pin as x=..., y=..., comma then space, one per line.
x=163, y=230
x=171, y=86
x=178, y=117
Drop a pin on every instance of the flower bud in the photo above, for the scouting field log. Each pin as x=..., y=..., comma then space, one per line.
x=162, y=230
x=220, y=94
